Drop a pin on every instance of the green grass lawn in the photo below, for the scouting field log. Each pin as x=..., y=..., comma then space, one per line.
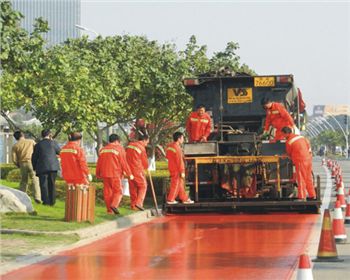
x=17, y=245
x=50, y=218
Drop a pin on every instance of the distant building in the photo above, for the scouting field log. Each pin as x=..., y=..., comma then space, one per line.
x=323, y=110
x=62, y=16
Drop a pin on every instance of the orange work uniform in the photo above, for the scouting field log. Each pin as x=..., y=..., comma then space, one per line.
x=278, y=117
x=198, y=126
x=73, y=164
x=176, y=166
x=137, y=159
x=299, y=150
x=111, y=165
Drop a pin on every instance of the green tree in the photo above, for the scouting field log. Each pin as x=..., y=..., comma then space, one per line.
x=22, y=55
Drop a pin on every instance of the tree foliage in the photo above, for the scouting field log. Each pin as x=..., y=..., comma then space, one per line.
x=81, y=84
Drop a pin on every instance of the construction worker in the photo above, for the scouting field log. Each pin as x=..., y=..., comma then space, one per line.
x=276, y=116
x=299, y=150
x=176, y=166
x=198, y=125
x=136, y=157
x=111, y=166
x=73, y=161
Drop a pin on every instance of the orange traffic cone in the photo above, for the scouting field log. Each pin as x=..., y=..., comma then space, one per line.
x=327, y=251
x=338, y=224
x=341, y=197
x=304, y=269
x=347, y=211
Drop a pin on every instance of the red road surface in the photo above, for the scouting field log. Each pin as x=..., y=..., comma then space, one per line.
x=201, y=246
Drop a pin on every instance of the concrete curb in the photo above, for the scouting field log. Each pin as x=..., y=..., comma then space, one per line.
x=87, y=236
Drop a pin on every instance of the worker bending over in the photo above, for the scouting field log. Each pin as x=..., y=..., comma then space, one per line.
x=136, y=157
x=299, y=150
x=111, y=166
x=198, y=125
x=276, y=116
x=176, y=166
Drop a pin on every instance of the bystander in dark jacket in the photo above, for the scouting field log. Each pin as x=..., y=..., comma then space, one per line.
x=46, y=165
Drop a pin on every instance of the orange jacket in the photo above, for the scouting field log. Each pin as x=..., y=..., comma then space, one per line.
x=73, y=163
x=278, y=117
x=298, y=148
x=111, y=162
x=197, y=126
x=175, y=158
x=136, y=157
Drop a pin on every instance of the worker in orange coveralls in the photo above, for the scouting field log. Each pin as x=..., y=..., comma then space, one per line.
x=276, y=116
x=176, y=166
x=73, y=161
x=136, y=157
x=111, y=165
x=299, y=150
x=198, y=125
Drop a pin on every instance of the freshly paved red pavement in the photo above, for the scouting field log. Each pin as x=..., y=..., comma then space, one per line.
x=196, y=246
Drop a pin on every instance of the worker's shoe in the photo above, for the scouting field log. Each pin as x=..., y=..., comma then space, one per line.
x=172, y=202
x=188, y=201
x=311, y=198
x=140, y=207
x=115, y=210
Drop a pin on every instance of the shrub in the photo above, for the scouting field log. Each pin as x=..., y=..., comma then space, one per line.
x=13, y=175
x=5, y=169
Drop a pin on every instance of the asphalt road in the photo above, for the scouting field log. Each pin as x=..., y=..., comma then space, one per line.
x=202, y=246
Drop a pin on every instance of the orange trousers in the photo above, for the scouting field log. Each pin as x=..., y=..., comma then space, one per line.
x=137, y=189
x=112, y=192
x=303, y=170
x=177, y=188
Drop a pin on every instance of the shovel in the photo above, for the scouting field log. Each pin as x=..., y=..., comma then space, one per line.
x=153, y=193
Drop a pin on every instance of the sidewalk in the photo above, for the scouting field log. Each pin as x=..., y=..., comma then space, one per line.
x=87, y=235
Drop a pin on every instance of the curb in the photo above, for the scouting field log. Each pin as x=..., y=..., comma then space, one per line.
x=87, y=235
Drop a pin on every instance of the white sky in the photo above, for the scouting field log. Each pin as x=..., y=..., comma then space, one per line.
x=310, y=39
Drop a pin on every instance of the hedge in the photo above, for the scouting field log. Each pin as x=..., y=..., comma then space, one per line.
x=160, y=181
x=5, y=168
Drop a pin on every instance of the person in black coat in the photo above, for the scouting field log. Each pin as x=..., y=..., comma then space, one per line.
x=45, y=163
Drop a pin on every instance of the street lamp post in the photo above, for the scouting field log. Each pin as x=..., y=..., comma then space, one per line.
x=314, y=127
x=326, y=122
x=87, y=29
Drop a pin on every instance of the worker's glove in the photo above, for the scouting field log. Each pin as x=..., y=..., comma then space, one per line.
x=182, y=175
x=265, y=135
x=89, y=178
x=131, y=177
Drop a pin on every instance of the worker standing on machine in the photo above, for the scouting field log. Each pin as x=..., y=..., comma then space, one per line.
x=276, y=116
x=299, y=150
x=176, y=166
x=136, y=157
x=198, y=125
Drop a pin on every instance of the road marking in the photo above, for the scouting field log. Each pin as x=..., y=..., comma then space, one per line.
x=327, y=193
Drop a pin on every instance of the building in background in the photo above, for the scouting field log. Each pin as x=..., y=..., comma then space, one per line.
x=62, y=16
x=335, y=110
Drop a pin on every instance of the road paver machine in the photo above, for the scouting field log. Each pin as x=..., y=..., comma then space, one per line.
x=236, y=169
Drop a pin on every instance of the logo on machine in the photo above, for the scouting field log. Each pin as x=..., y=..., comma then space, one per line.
x=239, y=95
